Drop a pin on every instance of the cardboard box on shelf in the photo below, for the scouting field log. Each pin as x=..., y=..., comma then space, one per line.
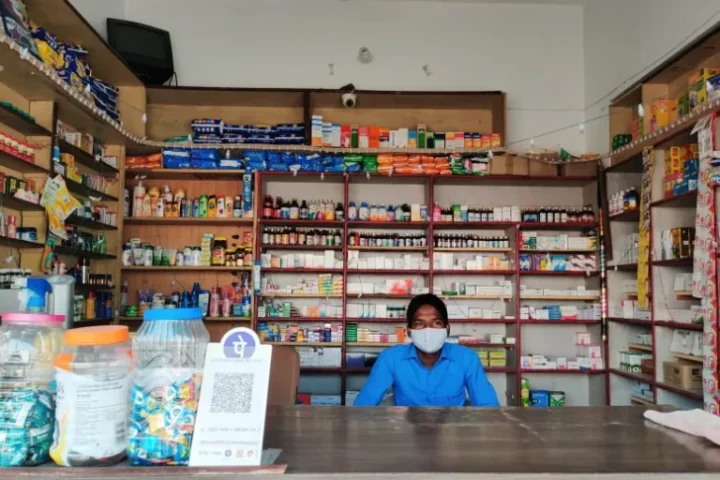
x=508, y=164
x=687, y=375
x=542, y=169
x=583, y=169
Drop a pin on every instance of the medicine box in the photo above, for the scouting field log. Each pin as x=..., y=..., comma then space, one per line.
x=697, y=86
x=582, y=338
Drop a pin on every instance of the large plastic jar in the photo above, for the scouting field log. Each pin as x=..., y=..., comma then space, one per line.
x=169, y=352
x=29, y=343
x=93, y=386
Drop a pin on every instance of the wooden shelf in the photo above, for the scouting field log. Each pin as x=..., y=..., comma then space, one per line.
x=355, y=296
x=387, y=225
x=186, y=269
x=684, y=200
x=89, y=223
x=35, y=84
x=518, y=180
x=388, y=249
x=320, y=224
x=631, y=321
x=675, y=262
x=684, y=293
x=481, y=321
x=628, y=216
x=92, y=323
x=626, y=153
x=543, y=273
x=636, y=346
x=299, y=319
x=184, y=174
x=88, y=160
x=568, y=251
x=476, y=297
x=633, y=376
x=563, y=298
x=21, y=123
x=302, y=247
x=472, y=250
x=92, y=288
x=59, y=250
x=474, y=272
x=301, y=270
x=378, y=271
x=18, y=204
x=689, y=358
x=680, y=326
x=696, y=394
x=625, y=267
x=227, y=319
x=305, y=344
x=85, y=191
x=17, y=243
x=20, y=165
x=473, y=225
x=206, y=319
x=187, y=221
x=322, y=370
x=560, y=322
x=558, y=226
x=640, y=401
x=300, y=295
x=563, y=372
x=373, y=344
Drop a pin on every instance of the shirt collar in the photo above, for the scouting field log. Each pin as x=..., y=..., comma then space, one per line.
x=412, y=352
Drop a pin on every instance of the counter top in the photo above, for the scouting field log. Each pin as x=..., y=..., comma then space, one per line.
x=412, y=443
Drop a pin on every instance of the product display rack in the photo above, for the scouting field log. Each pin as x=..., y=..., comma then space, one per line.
x=666, y=82
x=428, y=190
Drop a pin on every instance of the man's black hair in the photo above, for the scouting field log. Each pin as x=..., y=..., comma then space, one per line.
x=426, y=299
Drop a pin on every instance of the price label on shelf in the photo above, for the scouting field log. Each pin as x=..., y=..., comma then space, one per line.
x=231, y=415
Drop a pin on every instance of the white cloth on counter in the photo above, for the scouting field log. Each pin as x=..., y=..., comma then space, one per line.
x=694, y=422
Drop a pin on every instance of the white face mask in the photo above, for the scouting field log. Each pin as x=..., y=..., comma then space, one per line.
x=429, y=340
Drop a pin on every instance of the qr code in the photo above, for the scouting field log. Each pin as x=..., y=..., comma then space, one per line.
x=232, y=393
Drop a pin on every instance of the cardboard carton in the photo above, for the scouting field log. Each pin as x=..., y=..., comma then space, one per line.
x=542, y=169
x=508, y=164
x=687, y=375
x=585, y=169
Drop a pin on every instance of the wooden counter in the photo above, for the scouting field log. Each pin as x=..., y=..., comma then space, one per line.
x=416, y=443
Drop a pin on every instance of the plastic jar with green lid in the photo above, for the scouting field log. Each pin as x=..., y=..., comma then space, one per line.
x=93, y=388
x=29, y=343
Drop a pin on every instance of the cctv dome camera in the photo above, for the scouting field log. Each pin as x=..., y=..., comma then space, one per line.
x=349, y=100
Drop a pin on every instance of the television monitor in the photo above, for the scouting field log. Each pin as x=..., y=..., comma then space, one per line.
x=147, y=50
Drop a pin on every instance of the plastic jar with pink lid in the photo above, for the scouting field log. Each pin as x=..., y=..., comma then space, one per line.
x=29, y=342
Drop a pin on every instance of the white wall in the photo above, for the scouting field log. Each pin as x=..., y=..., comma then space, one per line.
x=532, y=52
x=622, y=37
x=97, y=11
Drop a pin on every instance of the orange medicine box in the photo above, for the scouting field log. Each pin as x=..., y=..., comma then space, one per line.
x=374, y=137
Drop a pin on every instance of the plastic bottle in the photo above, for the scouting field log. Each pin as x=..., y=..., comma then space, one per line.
x=202, y=207
x=352, y=211
x=215, y=303
x=237, y=207
x=160, y=208
x=220, y=207
x=138, y=196
x=167, y=195
x=90, y=306
x=123, y=295
x=11, y=228
x=436, y=213
x=374, y=213
x=339, y=212
x=364, y=212
x=304, y=211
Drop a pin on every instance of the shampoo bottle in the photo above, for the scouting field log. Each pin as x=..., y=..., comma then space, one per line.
x=138, y=195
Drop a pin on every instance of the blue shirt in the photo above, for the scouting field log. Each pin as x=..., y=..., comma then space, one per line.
x=415, y=385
